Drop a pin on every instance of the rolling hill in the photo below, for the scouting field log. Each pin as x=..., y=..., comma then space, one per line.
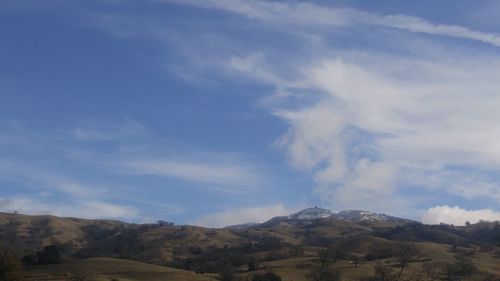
x=292, y=246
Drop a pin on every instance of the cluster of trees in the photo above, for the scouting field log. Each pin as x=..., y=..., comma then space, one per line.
x=49, y=255
x=269, y=276
x=485, y=234
x=163, y=223
x=10, y=267
x=229, y=274
x=462, y=267
x=324, y=272
x=402, y=254
x=214, y=259
x=116, y=242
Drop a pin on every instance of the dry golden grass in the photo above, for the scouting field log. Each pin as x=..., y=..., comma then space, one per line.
x=162, y=243
x=297, y=269
x=106, y=269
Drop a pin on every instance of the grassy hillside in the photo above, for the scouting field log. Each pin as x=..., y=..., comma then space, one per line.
x=103, y=238
x=107, y=269
x=103, y=250
x=26, y=234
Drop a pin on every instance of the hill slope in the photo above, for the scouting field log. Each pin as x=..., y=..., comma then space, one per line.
x=101, y=269
x=290, y=245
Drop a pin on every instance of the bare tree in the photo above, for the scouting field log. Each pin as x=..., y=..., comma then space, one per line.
x=228, y=274
x=382, y=273
x=405, y=252
x=324, y=273
x=429, y=271
x=297, y=251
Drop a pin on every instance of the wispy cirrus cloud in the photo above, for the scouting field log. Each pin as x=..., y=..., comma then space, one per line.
x=128, y=128
x=224, y=176
x=302, y=14
x=371, y=123
x=224, y=172
x=32, y=173
x=425, y=120
x=378, y=107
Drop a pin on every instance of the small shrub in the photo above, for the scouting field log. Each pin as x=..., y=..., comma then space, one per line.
x=464, y=266
x=49, y=255
x=270, y=276
x=253, y=264
x=324, y=273
x=10, y=267
x=491, y=277
x=228, y=274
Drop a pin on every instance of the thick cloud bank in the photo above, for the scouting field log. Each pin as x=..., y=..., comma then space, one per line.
x=458, y=216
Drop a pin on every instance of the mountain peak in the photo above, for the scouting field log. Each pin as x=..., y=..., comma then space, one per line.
x=311, y=213
x=314, y=213
x=362, y=215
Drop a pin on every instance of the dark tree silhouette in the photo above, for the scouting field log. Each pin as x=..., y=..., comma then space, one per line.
x=383, y=273
x=429, y=271
x=270, y=276
x=10, y=267
x=297, y=251
x=49, y=255
x=228, y=274
x=253, y=264
x=324, y=273
x=405, y=252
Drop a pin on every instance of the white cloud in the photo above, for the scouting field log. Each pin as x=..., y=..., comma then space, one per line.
x=311, y=14
x=224, y=171
x=252, y=65
x=102, y=132
x=366, y=124
x=415, y=24
x=35, y=176
x=240, y=216
x=81, y=209
x=368, y=180
x=106, y=210
x=406, y=115
x=470, y=185
x=67, y=186
x=230, y=175
x=458, y=216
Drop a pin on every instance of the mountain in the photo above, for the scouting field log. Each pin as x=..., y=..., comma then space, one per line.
x=243, y=226
x=355, y=216
x=289, y=245
x=311, y=214
x=364, y=216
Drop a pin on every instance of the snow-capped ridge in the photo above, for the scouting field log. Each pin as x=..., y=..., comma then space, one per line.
x=311, y=214
x=316, y=213
x=362, y=215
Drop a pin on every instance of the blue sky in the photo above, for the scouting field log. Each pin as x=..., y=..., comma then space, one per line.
x=219, y=112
